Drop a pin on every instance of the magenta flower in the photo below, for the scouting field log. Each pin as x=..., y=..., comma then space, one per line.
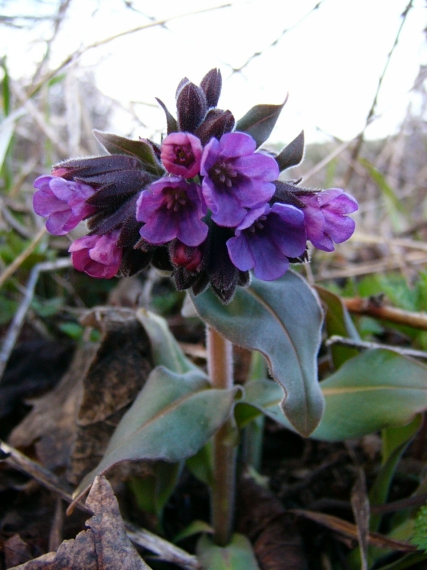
x=266, y=239
x=236, y=177
x=62, y=202
x=182, y=255
x=181, y=154
x=171, y=208
x=325, y=217
x=98, y=256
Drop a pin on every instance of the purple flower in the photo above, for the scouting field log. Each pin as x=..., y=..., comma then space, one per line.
x=171, y=208
x=181, y=154
x=98, y=256
x=266, y=238
x=325, y=219
x=236, y=177
x=62, y=202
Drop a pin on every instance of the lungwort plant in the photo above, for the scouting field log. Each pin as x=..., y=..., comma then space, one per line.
x=209, y=206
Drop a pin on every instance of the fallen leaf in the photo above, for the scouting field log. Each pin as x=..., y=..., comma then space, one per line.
x=103, y=546
x=70, y=427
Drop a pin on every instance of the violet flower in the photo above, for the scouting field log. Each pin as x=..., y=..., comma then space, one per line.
x=266, y=239
x=172, y=208
x=181, y=154
x=236, y=177
x=325, y=217
x=62, y=202
x=98, y=256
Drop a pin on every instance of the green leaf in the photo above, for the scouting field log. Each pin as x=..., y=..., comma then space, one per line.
x=338, y=322
x=380, y=489
x=5, y=88
x=201, y=464
x=259, y=121
x=173, y=416
x=139, y=149
x=377, y=389
x=153, y=491
x=281, y=319
x=238, y=555
x=292, y=154
x=164, y=348
x=196, y=527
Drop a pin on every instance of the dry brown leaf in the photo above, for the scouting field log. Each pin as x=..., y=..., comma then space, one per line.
x=71, y=426
x=361, y=512
x=348, y=530
x=272, y=530
x=16, y=551
x=104, y=546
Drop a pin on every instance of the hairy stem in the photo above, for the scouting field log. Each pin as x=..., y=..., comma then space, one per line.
x=220, y=367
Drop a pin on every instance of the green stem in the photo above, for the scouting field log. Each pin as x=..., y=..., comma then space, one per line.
x=220, y=367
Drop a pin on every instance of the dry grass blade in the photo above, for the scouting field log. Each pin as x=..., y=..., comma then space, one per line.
x=17, y=262
x=349, y=531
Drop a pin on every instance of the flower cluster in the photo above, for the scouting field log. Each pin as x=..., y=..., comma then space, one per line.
x=205, y=205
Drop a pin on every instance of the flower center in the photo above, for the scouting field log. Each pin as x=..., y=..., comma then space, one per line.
x=183, y=156
x=258, y=224
x=222, y=173
x=175, y=199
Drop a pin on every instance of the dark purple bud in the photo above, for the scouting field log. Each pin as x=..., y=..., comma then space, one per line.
x=211, y=85
x=114, y=187
x=85, y=168
x=170, y=119
x=134, y=260
x=292, y=154
x=217, y=123
x=285, y=194
x=223, y=275
x=191, y=107
x=161, y=259
x=181, y=84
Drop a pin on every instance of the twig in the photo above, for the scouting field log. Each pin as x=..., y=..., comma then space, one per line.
x=18, y=319
x=19, y=461
x=372, y=308
x=360, y=138
x=414, y=258
x=276, y=41
x=361, y=344
x=10, y=269
x=167, y=551
x=141, y=537
x=80, y=52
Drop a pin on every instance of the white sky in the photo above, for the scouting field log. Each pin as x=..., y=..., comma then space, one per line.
x=329, y=62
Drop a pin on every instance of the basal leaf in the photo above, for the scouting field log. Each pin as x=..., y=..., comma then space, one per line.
x=292, y=154
x=338, y=322
x=281, y=319
x=165, y=349
x=259, y=121
x=372, y=391
x=377, y=389
x=173, y=416
x=139, y=149
x=238, y=555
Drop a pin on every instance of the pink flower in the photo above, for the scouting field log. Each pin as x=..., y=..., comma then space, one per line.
x=62, y=202
x=181, y=154
x=98, y=256
x=325, y=217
